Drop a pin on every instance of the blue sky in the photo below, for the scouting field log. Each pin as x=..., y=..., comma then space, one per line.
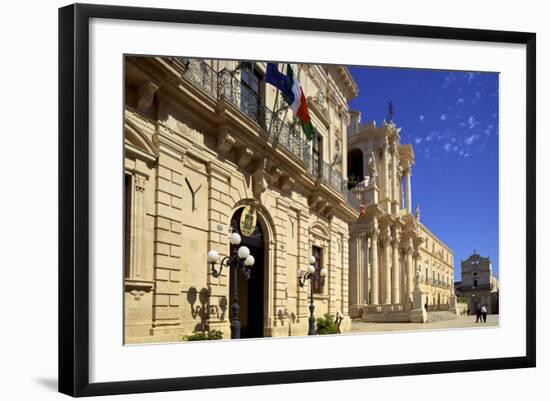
x=451, y=118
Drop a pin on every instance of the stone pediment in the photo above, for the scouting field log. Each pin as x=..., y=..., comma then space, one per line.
x=137, y=142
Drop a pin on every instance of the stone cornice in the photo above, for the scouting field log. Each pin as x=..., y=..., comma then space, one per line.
x=345, y=80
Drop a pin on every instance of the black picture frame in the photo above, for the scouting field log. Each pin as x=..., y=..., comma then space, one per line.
x=74, y=194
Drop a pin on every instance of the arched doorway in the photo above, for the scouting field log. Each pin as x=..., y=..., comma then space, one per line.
x=355, y=167
x=251, y=292
x=474, y=304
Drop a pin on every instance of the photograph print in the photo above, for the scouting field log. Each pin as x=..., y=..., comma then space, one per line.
x=275, y=199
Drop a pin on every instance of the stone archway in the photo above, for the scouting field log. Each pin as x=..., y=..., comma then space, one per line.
x=254, y=293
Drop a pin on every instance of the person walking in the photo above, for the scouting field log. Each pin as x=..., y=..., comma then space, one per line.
x=478, y=313
x=484, y=313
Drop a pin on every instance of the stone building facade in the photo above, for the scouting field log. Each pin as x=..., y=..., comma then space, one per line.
x=392, y=252
x=201, y=143
x=478, y=284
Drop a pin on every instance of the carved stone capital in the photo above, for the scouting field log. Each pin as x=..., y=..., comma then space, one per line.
x=139, y=183
x=394, y=147
x=373, y=233
x=385, y=236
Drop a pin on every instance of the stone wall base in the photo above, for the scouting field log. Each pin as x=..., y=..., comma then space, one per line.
x=418, y=315
x=392, y=314
x=355, y=311
x=176, y=333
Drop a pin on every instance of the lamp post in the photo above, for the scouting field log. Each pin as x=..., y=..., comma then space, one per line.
x=311, y=274
x=242, y=260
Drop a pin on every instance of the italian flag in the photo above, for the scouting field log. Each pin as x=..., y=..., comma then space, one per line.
x=298, y=104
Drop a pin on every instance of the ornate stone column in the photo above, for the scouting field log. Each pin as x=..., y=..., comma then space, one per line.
x=365, y=278
x=409, y=266
x=375, y=268
x=355, y=266
x=395, y=187
x=416, y=261
x=401, y=190
x=360, y=266
x=409, y=200
x=386, y=242
x=385, y=161
x=396, y=279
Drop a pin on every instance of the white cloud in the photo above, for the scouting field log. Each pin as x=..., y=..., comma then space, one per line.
x=471, y=139
x=466, y=155
x=462, y=124
x=478, y=96
x=461, y=152
x=460, y=100
x=447, y=147
x=455, y=149
x=448, y=79
x=472, y=122
x=443, y=117
x=417, y=140
x=470, y=77
x=421, y=118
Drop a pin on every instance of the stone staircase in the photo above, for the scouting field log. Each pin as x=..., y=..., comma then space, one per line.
x=439, y=316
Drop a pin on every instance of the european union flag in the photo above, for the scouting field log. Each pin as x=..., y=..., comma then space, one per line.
x=279, y=80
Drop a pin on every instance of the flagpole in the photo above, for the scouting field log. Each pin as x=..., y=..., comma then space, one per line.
x=286, y=110
x=274, y=107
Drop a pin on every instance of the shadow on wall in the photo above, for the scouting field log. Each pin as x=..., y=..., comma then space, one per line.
x=283, y=315
x=203, y=310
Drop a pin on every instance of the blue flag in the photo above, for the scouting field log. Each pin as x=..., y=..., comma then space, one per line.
x=279, y=80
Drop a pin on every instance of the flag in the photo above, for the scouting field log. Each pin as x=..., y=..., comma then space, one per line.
x=299, y=104
x=293, y=94
x=279, y=80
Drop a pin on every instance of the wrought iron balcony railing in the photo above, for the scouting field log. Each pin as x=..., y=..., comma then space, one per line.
x=223, y=85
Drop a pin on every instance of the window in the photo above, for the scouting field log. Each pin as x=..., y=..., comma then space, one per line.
x=355, y=167
x=317, y=252
x=251, y=93
x=127, y=222
x=318, y=155
x=475, y=283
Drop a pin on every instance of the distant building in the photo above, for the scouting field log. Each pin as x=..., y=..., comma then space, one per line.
x=389, y=246
x=479, y=285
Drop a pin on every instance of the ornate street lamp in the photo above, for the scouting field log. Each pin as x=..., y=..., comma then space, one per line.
x=311, y=274
x=242, y=260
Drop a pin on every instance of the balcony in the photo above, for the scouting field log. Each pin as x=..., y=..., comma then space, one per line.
x=435, y=283
x=223, y=86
